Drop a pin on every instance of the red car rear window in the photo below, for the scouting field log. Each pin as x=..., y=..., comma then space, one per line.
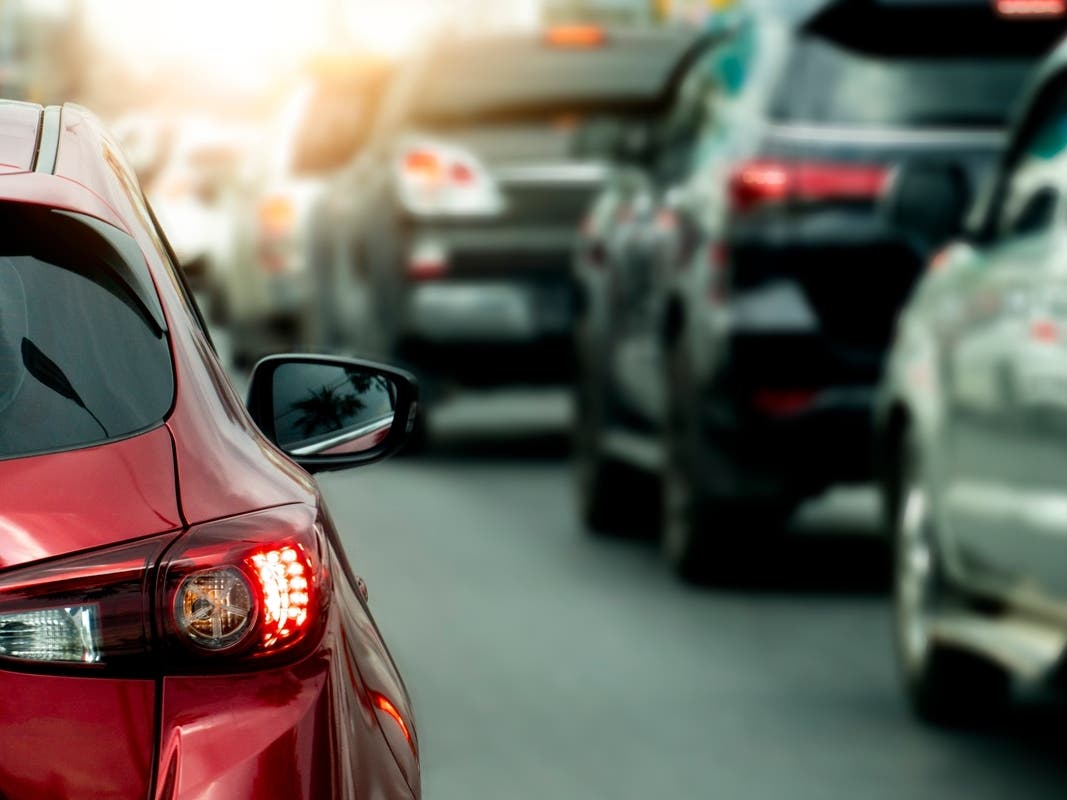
x=84, y=356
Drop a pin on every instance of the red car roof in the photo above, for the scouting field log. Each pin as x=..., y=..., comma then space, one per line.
x=53, y=157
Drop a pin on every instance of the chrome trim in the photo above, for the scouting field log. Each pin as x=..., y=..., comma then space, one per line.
x=559, y=173
x=372, y=427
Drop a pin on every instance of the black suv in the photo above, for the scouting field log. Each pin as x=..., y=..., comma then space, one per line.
x=733, y=342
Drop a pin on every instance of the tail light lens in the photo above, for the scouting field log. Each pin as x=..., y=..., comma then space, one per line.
x=244, y=589
x=436, y=179
x=427, y=261
x=233, y=594
x=576, y=36
x=783, y=402
x=90, y=611
x=277, y=215
x=760, y=183
x=1031, y=8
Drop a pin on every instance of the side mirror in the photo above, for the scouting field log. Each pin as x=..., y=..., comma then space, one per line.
x=929, y=201
x=330, y=413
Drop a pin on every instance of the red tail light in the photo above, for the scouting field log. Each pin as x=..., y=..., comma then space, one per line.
x=424, y=165
x=440, y=178
x=1031, y=8
x=765, y=182
x=783, y=402
x=428, y=261
x=277, y=215
x=244, y=589
x=233, y=594
x=429, y=167
x=578, y=36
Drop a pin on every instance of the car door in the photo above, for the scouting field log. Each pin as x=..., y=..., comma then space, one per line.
x=1038, y=463
x=650, y=236
x=1004, y=361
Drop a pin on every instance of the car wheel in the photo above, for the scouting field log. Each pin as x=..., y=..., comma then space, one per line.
x=705, y=536
x=944, y=685
x=613, y=497
x=687, y=519
x=688, y=513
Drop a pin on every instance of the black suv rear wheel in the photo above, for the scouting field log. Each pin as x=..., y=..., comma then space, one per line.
x=613, y=497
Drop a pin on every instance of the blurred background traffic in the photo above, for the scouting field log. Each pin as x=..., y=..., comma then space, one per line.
x=647, y=259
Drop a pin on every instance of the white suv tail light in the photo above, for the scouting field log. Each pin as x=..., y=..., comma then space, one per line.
x=438, y=179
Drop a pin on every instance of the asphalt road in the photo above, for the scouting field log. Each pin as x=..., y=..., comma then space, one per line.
x=548, y=664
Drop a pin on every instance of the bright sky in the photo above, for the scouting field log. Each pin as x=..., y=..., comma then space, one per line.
x=240, y=40
x=237, y=40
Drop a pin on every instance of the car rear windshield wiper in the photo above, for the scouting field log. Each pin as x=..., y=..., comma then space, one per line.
x=49, y=373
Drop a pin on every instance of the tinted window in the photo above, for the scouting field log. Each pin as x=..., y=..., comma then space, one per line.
x=828, y=84
x=513, y=75
x=84, y=356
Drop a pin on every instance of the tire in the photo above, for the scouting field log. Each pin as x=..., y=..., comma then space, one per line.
x=613, y=498
x=944, y=685
x=689, y=515
x=705, y=537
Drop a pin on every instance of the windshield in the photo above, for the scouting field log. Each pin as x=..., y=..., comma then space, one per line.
x=827, y=84
x=84, y=356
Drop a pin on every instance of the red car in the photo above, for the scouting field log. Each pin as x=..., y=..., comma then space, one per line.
x=177, y=615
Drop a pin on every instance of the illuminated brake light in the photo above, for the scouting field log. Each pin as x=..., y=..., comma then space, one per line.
x=424, y=166
x=246, y=588
x=283, y=585
x=1045, y=331
x=1031, y=8
x=436, y=178
x=277, y=215
x=241, y=592
x=576, y=36
x=759, y=183
x=461, y=173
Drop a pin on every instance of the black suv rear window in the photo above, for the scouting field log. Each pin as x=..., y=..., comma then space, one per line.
x=84, y=356
x=830, y=85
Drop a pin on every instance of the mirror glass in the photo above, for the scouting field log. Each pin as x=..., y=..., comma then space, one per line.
x=330, y=409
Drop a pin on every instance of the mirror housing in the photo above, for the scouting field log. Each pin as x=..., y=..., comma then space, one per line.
x=329, y=413
x=928, y=200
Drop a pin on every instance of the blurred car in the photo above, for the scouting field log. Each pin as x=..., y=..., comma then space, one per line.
x=267, y=280
x=733, y=337
x=452, y=231
x=188, y=195
x=178, y=618
x=972, y=421
x=146, y=139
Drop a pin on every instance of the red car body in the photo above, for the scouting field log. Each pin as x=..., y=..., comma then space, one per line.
x=327, y=719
